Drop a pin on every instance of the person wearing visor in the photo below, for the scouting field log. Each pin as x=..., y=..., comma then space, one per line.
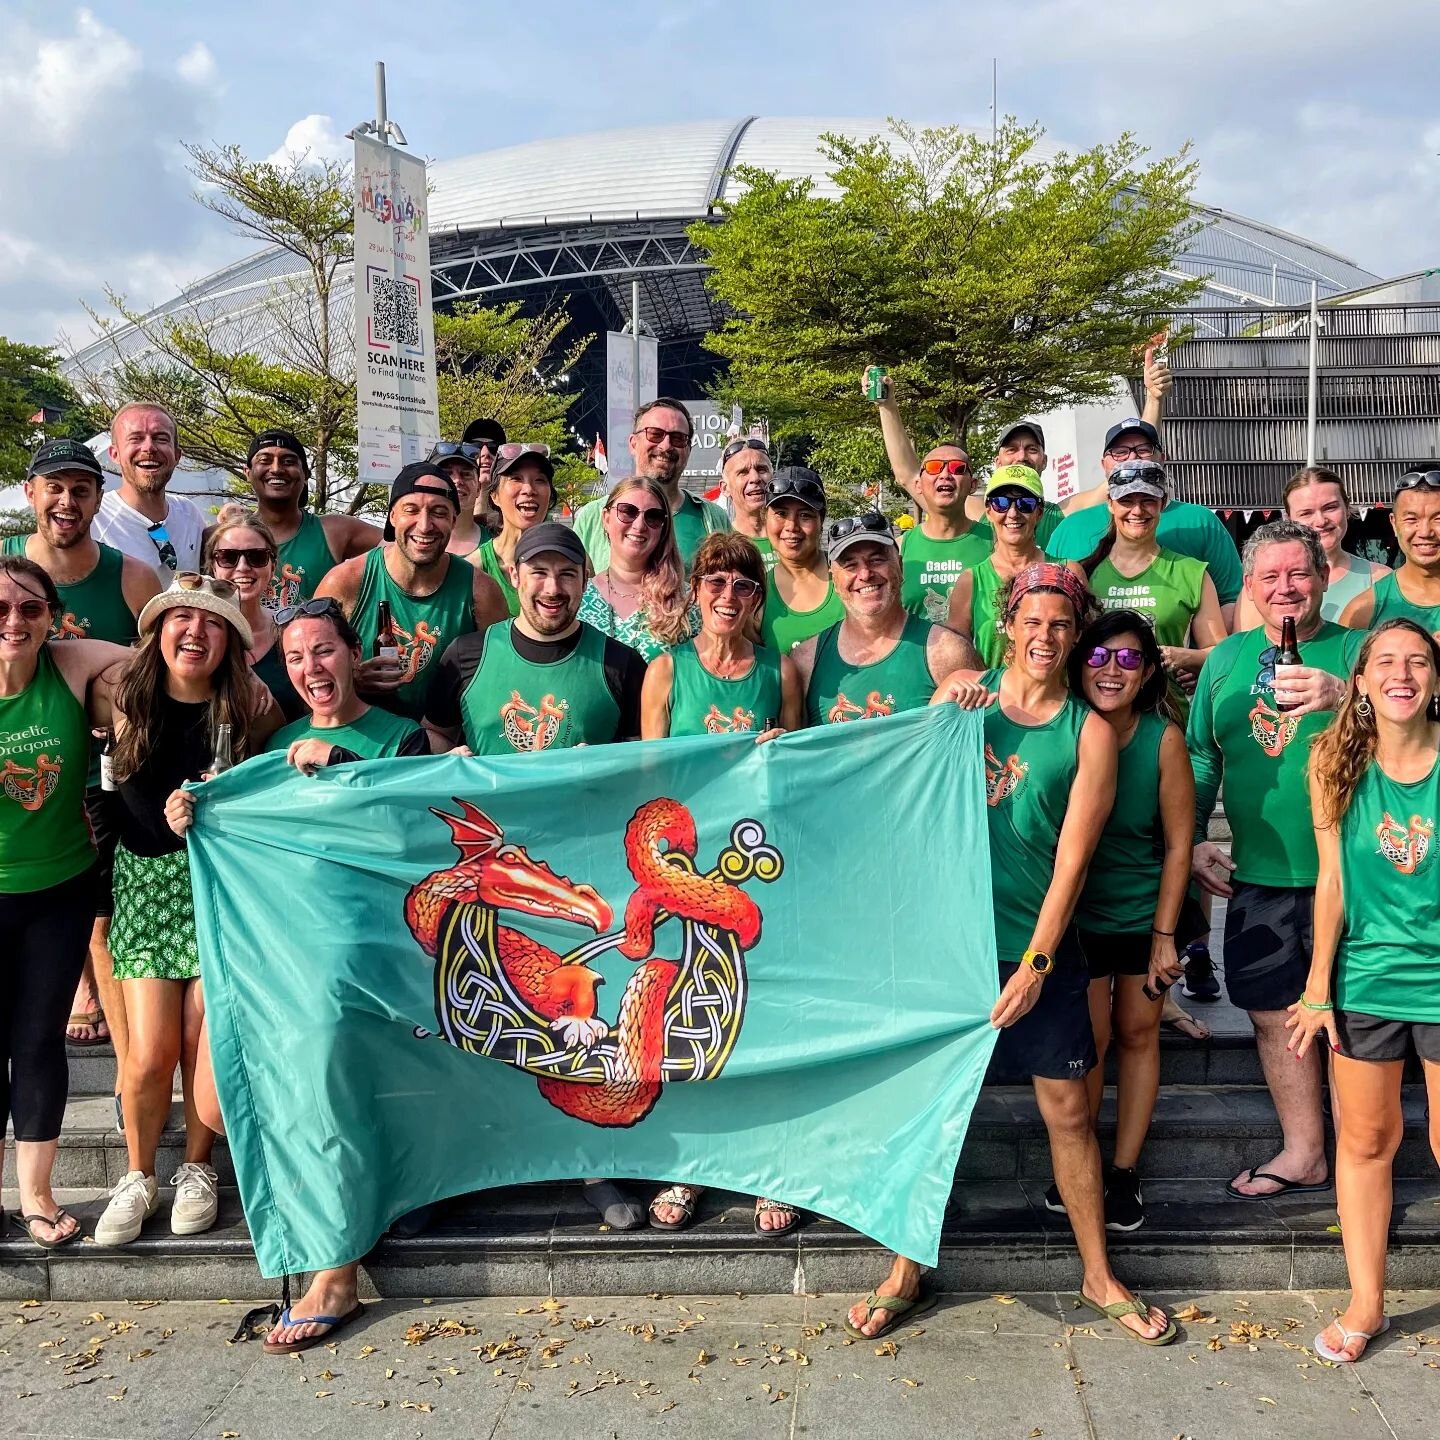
x=800, y=598
x=433, y=597
x=457, y=458
x=307, y=546
x=745, y=471
x=878, y=660
x=1129, y=570
x=1412, y=591
x=522, y=492
x=946, y=543
x=1013, y=497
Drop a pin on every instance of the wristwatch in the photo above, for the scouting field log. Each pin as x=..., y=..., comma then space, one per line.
x=1038, y=961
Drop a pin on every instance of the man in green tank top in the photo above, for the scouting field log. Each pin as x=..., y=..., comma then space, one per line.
x=1413, y=589
x=946, y=543
x=434, y=597
x=745, y=471
x=1251, y=726
x=310, y=545
x=878, y=660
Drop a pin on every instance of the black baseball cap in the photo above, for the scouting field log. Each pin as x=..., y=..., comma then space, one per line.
x=420, y=477
x=504, y=464
x=797, y=482
x=485, y=429
x=550, y=535
x=1033, y=426
x=56, y=455
x=278, y=440
x=1133, y=426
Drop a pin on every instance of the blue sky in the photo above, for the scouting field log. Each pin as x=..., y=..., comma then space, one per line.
x=1320, y=116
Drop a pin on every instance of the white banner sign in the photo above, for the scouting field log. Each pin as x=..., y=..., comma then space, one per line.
x=620, y=401
x=399, y=408
x=712, y=426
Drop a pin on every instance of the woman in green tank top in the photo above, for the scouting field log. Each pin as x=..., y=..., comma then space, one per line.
x=522, y=490
x=1373, y=992
x=800, y=598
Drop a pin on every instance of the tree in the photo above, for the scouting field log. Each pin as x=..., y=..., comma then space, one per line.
x=991, y=282
x=30, y=381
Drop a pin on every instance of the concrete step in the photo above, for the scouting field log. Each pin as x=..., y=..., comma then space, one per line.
x=544, y=1239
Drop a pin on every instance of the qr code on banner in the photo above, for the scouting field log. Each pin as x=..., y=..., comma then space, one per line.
x=396, y=319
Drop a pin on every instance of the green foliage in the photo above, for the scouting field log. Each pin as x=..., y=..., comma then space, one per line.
x=990, y=282
x=30, y=380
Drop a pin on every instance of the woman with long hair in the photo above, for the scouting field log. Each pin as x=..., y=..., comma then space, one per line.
x=51, y=693
x=1133, y=902
x=242, y=550
x=1373, y=990
x=522, y=492
x=176, y=700
x=640, y=597
x=800, y=598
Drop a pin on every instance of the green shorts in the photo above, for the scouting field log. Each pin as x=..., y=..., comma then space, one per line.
x=152, y=934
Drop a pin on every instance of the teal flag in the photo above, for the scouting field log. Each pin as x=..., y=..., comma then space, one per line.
x=767, y=968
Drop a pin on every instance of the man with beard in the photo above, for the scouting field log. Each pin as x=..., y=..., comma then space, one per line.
x=433, y=597
x=946, y=543
x=660, y=442
x=140, y=519
x=745, y=471
x=310, y=545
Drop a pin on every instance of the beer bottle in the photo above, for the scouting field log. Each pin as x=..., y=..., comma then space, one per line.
x=1288, y=652
x=107, y=761
x=387, y=642
x=223, y=759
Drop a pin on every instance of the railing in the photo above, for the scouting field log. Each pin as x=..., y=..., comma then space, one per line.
x=1250, y=322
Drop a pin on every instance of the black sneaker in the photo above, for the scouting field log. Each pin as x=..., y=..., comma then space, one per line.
x=1124, y=1207
x=1053, y=1202
x=1200, y=981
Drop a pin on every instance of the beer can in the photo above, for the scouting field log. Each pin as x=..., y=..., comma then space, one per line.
x=875, y=384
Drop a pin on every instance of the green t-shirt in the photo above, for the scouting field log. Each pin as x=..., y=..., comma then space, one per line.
x=705, y=704
x=1166, y=592
x=301, y=563
x=1236, y=733
x=1187, y=529
x=1391, y=604
x=376, y=735
x=840, y=692
x=931, y=568
x=782, y=628
x=1029, y=770
x=1387, y=963
x=694, y=520
x=485, y=557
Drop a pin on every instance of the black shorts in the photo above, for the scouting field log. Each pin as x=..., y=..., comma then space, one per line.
x=1267, y=945
x=100, y=812
x=1109, y=954
x=1054, y=1040
x=1368, y=1037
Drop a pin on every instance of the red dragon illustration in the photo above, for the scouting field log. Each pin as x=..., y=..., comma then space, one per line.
x=605, y=1076
x=875, y=704
x=1405, y=846
x=1002, y=777
x=30, y=789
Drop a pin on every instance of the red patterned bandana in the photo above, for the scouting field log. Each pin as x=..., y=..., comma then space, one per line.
x=1048, y=576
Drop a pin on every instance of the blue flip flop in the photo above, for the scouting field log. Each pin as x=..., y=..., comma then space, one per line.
x=336, y=1323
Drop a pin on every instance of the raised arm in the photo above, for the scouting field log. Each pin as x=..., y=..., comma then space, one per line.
x=899, y=448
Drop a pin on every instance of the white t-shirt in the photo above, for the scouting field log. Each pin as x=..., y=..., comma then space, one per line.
x=127, y=530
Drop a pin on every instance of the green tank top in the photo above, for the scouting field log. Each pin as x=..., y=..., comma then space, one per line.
x=931, y=568
x=1387, y=963
x=1390, y=603
x=1123, y=882
x=512, y=704
x=427, y=623
x=766, y=549
x=1358, y=578
x=782, y=628
x=984, y=610
x=706, y=704
x=93, y=608
x=1166, y=592
x=840, y=692
x=301, y=563
x=376, y=735
x=1029, y=770
x=270, y=670
x=44, y=754
x=486, y=558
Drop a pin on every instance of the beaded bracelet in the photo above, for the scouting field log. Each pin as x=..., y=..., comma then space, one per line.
x=1306, y=1005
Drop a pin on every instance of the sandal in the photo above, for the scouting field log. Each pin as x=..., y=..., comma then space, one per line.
x=1339, y=1357
x=27, y=1223
x=682, y=1197
x=94, y=1019
x=334, y=1324
x=1287, y=1187
x=764, y=1207
x=1136, y=1306
x=896, y=1306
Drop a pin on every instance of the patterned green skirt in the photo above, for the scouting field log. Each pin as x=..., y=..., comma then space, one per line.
x=152, y=935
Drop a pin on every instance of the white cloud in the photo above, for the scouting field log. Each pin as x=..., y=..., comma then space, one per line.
x=197, y=66
x=312, y=139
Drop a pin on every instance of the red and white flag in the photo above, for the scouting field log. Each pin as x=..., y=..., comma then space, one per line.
x=599, y=461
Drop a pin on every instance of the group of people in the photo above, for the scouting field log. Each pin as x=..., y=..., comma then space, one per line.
x=1127, y=660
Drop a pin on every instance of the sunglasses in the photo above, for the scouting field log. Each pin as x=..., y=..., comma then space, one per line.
x=255, y=557
x=1000, y=504
x=654, y=434
x=164, y=546
x=206, y=584
x=1418, y=480
x=740, y=586
x=945, y=467
x=1144, y=451
x=324, y=605
x=27, y=610
x=628, y=514
x=1126, y=657
x=513, y=449
x=801, y=487
x=871, y=523
x=736, y=446
x=456, y=450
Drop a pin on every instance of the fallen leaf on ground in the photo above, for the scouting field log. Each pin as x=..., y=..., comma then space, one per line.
x=1004, y=1299
x=1194, y=1315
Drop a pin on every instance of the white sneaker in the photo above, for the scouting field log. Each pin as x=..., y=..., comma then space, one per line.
x=196, y=1202
x=132, y=1202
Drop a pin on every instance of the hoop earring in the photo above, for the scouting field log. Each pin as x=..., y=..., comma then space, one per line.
x=1364, y=710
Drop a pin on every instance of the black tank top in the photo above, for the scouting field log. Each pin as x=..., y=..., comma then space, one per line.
x=181, y=748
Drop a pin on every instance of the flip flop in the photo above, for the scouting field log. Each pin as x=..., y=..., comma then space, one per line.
x=683, y=1197
x=896, y=1306
x=762, y=1206
x=94, y=1019
x=1136, y=1306
x=27, y=1223
x=335, y=1324
x=1287, y=1187
x=1339, y=1357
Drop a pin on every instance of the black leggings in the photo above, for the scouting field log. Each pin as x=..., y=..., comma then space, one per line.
x=47, y=936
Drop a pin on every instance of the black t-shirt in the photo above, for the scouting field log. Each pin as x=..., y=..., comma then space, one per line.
x=624, y=675
x=181, y=748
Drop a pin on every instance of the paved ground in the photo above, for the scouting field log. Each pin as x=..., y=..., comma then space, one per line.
x=1027, y=1366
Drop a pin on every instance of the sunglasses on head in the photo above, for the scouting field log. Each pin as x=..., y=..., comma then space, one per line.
x=456, y=450
x=740, y=586
x=801, y=488
x=254, y=556
x=208, y=584
x=513, y=449
x=1025, y=504
x=1126, y=657
x=945, y=467
x=736, y=446
x=871, y=523
x=628, y=514
x=309, y=610
x=655, y=434
x=1418, y=480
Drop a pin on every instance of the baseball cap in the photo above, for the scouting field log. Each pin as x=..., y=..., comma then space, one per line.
x=509, y=456
x=1139, y=477
x=796, y=482
x=491, y=431
x=1134, y=425
x=56, y=455
x=420, y=477
x=1015, y=477
x=550, y=535
x=1033, y=426
x=277, y=440
x=850, y=530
